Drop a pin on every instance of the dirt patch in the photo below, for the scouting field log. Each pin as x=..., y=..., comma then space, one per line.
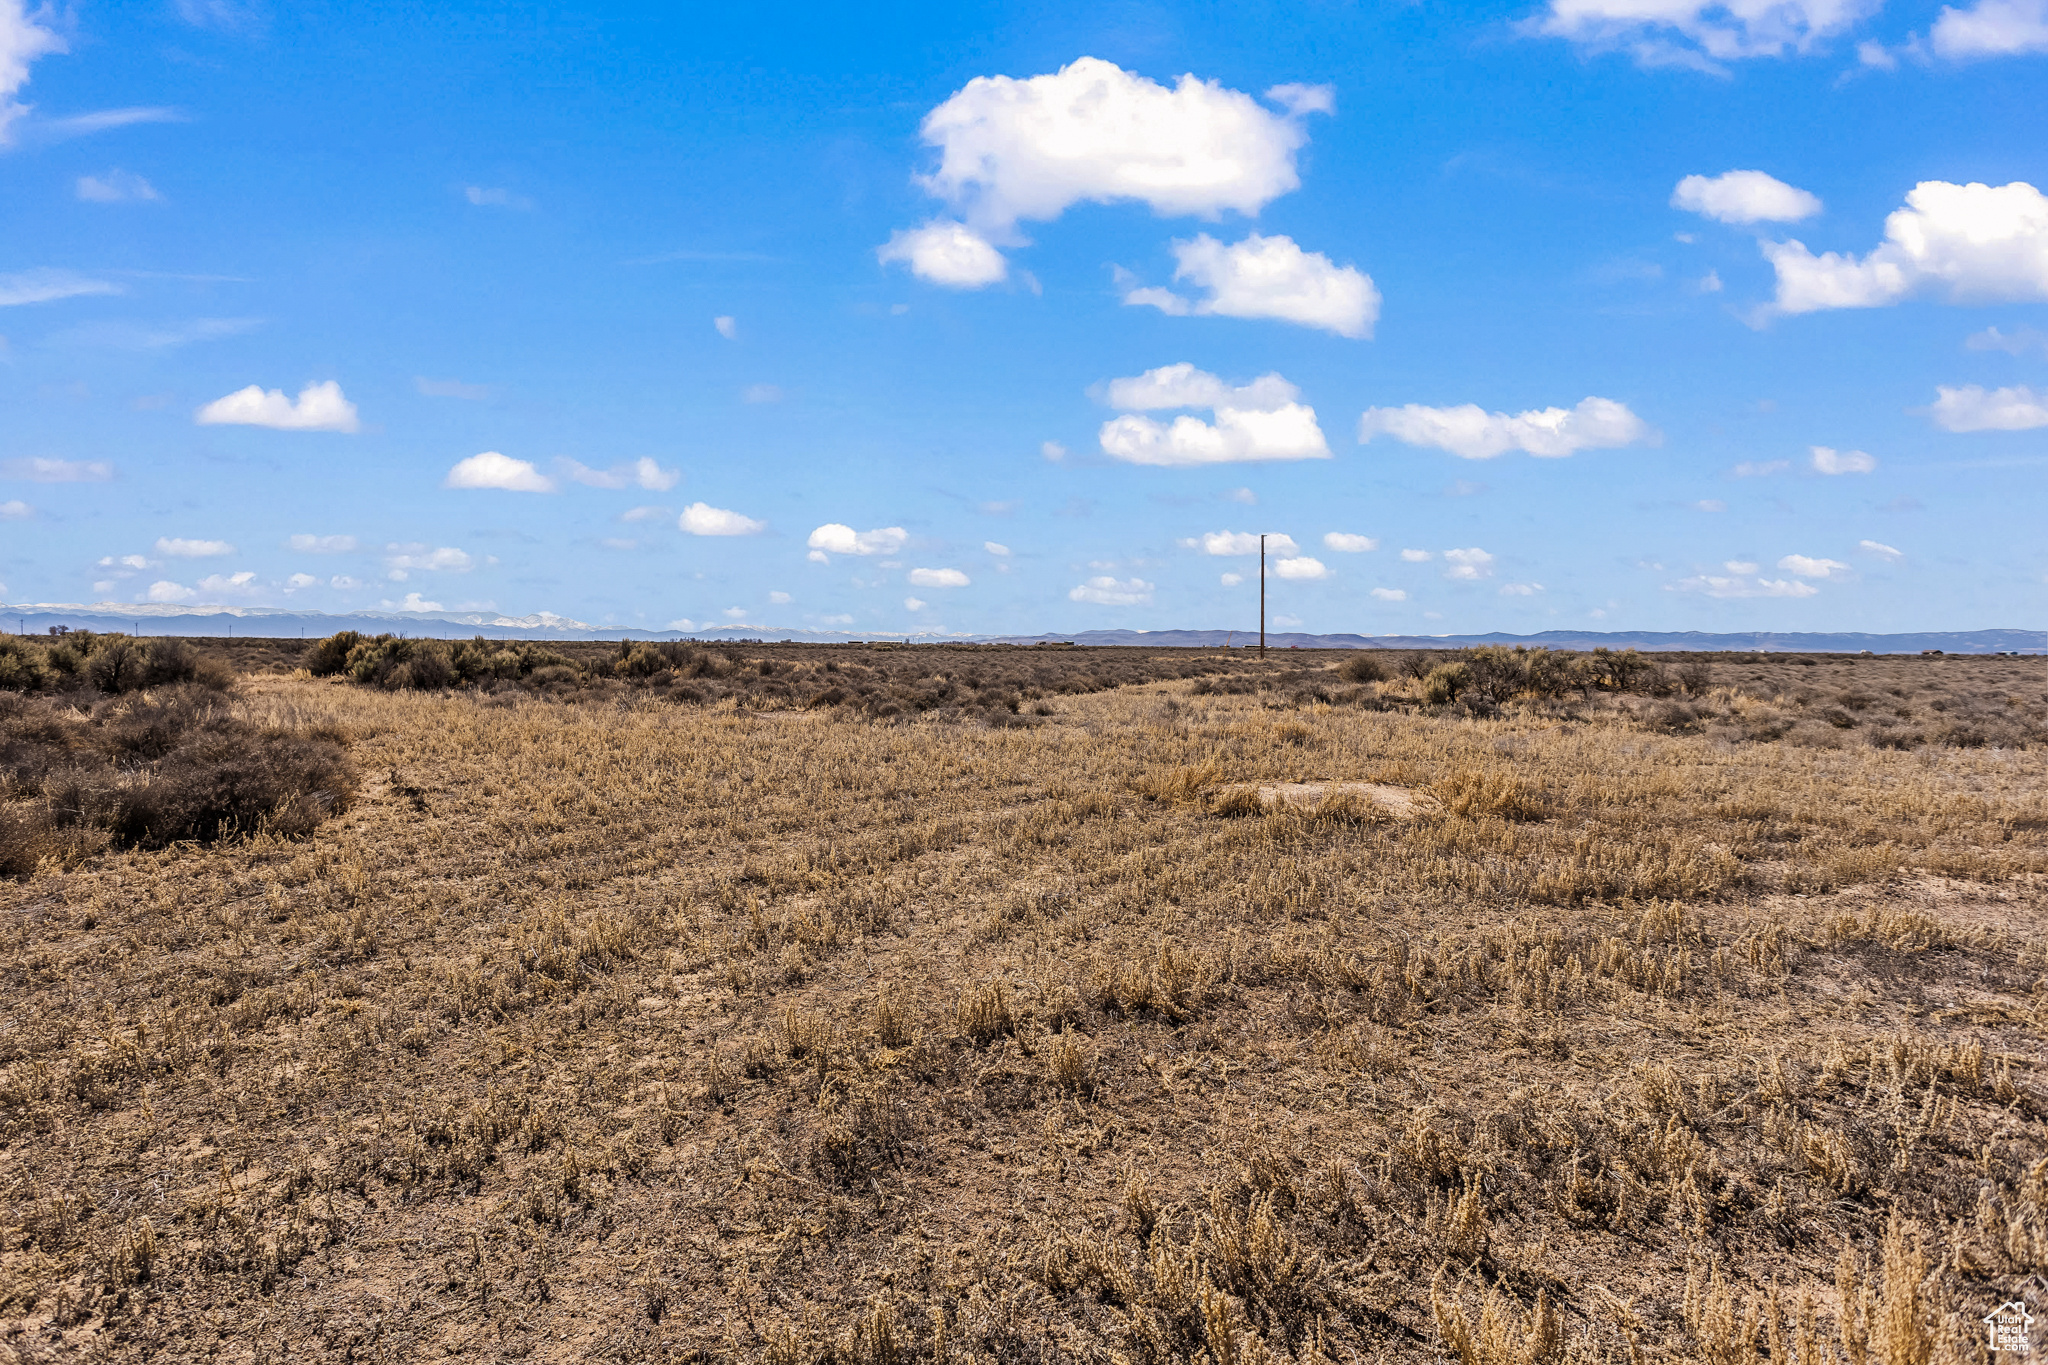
x=1403, y=803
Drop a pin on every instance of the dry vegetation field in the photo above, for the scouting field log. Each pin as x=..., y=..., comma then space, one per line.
x=609, y=1024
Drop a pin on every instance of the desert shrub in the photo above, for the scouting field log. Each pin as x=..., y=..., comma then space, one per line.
x=325, y=658
x=24, y=666
x=1363, y=669
x=151, y=768
x=110, y=664
x=1444, y=682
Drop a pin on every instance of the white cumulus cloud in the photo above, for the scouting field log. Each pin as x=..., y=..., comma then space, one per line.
x=1258, y=421
x=1013, y=149
x=322, y=545
x=179, y=548
x=228, y=582
x=1346, y=543
x=490, y=469
x=727, y=328
x=164, y=590
x=1301, y=566
x=1744, y=197
x=838, y=539
x=14, y=509
x=1806, y=566
x=1390, y=594
x=702, y=519
x=938, y=578
x=1700, y=33
x=1830, y=461
x=994, y=548
x=1238, y=543
x=946, y=252
x=1472, y=433
x=404, y=559
x=21, y=41
x=1113, y=592
x=320, y=407
x=1711, y=585
x=1971, y=243
x=1520, y=589
x=1972, y=408
x=1267, y=277
x=1468, y=565
x=1417, y=556
x=1991, y=28
x=1230, y=580
x=914, y=603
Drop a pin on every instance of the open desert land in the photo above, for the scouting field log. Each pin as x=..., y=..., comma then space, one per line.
x=795, y=1003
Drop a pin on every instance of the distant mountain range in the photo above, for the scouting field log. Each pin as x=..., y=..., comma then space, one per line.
x=274, y=622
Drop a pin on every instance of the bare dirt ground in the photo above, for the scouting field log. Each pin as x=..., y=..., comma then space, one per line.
x=624, y=1030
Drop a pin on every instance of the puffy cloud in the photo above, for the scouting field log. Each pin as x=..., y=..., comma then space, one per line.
x=1113, y=592
x=1828, y=461
x=320, y=407
x=702, y=519
x=1417, y=556
x=938, y=578
x=1881, y=550
x=1759, y=469
x=1390, y=594
x=1468, y=565
x=403, y=559
x=1230, y=580
x=14, y=509
x=1700, y=33
x=1268, y=277
x=1052, y=450
x=1710, y=585
x=343, y=581
x=946, y=252
x=834, y=538
x=178, y=548
x=1243, y=495
x=1970, y=243
x=40, y=286
x=1345, y=543
x=1805, y=566
x=1014, y=149
x=164, y=590
x=116, y=187
x=21, y=42
x=1472, y=433
x=414, y=602
x=451, y=388
x=228, y=582
x=1744, y=197
x=1000, y=551
x=780, y=599
x=914, y=603
x=1301, y=567
x=124, y=562
x=641, y=473
x=1259, y=421
x=322, y=545
x=1520, y=589
x=301, y=580
x=489, y=469
x=1991, y=28
x=1972, y=408
x=40, y=469
x=727, y=328
x=1238, y=543
x=1741, y=566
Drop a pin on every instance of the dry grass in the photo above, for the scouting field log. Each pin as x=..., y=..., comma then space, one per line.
x=632, y=1031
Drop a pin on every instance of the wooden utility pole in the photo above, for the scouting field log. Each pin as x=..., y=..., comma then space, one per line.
x=1262, y=597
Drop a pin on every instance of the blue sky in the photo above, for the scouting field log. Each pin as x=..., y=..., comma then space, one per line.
x=990, y=319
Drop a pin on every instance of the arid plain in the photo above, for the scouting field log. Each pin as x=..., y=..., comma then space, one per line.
x=656, y=1017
